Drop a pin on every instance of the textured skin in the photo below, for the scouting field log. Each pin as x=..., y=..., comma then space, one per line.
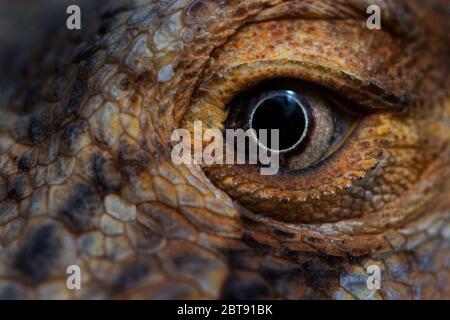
x=86, y=176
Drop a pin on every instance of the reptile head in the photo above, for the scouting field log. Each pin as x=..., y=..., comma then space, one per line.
x=87, y=177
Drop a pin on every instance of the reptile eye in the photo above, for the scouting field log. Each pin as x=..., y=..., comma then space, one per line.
x=311, y=123
x=314, y=123
x=338, y=123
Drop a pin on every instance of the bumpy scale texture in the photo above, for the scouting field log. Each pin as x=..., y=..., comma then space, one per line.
x=86, y=176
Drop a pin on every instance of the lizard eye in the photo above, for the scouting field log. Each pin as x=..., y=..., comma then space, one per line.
x=311, y=123
x=316, y=134
x=346, y=129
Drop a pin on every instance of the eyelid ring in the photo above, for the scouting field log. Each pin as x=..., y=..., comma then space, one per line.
x=300, y=102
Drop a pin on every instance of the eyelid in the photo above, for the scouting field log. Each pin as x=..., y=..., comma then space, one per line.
x=370, y=68
x=219, y=88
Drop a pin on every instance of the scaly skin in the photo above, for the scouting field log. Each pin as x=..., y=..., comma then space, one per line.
x=86, y=175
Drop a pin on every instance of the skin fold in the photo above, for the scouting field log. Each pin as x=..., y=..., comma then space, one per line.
x=86, y=176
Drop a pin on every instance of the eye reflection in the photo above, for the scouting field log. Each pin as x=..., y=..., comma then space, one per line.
x=282, y=110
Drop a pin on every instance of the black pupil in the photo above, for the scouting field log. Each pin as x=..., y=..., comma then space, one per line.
x=282, y=112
